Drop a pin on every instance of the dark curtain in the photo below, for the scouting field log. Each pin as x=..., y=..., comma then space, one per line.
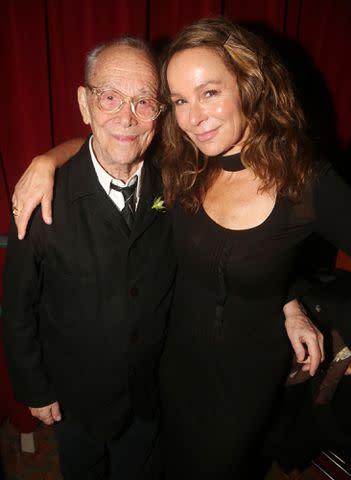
x=43, y=43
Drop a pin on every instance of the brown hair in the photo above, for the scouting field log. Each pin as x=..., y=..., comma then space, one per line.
x=276, y=149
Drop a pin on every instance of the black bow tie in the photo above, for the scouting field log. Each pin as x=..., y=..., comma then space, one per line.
x=129, y=201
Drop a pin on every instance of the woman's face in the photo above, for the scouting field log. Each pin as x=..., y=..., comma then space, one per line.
x=206, y=101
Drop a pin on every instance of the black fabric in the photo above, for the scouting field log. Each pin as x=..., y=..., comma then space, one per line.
x=131, y=456
x=326, y=426
x=86, y=301
x=231, y=163
x=227, y=352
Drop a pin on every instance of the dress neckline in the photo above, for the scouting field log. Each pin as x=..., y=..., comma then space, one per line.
x=231, y=163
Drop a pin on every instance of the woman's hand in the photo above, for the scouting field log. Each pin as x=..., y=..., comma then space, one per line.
x=34, y=187
x=305, y=338
x=37, y=184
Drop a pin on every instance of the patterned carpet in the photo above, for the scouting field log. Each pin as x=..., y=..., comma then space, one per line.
x=17, y=465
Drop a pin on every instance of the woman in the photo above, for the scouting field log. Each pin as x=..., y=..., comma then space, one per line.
x=247, y=193
x=237, y=171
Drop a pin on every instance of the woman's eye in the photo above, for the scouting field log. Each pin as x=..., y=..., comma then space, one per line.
x=211, y=93
x=179, y=102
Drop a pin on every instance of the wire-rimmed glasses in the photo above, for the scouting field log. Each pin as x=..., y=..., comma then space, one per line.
x=112, y=101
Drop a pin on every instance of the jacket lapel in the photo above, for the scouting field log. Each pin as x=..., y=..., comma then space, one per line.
x=151, y=188
x=84, y=184
x=105, y=207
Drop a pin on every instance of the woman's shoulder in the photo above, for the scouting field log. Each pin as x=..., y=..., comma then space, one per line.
x=331, y=189
x=327, y=175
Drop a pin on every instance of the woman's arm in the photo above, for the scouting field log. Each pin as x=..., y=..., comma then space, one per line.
x=37, y=183
x=305, y=338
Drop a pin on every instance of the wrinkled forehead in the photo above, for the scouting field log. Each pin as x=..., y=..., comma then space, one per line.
x=126, y=69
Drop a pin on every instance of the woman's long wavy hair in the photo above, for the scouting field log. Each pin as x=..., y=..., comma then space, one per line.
x=276, y=150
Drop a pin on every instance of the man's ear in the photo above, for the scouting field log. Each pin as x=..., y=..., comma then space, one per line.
x=83, y=104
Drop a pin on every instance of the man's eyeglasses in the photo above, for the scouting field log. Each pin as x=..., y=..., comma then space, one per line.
x=112, y=101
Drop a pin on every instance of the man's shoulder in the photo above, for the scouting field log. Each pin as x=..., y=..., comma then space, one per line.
x=152, y=168
x=76, y=177
x=76, y=161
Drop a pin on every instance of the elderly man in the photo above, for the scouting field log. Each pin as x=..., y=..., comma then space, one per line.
x=86, y=298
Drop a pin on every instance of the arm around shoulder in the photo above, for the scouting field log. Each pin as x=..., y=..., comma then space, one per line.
x=37, y=183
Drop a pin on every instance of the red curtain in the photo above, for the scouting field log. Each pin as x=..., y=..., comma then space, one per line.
x=167, y=17
x=268, y=12
x=73, y=29
x=25, y=105
x=43, y=43
x=324, y=31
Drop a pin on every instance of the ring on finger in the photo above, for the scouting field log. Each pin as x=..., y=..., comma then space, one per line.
x=15, y=211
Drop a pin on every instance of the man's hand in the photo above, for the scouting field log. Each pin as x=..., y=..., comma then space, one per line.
x=34, y=187
x=47, y=415
x=306, y=340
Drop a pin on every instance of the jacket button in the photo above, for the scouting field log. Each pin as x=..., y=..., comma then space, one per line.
x=134, y=337
x=134, y=291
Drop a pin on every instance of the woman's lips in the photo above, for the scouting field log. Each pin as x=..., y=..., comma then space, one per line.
x=203, y=137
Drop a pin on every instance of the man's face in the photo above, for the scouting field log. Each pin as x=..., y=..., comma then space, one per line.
x=120, y=139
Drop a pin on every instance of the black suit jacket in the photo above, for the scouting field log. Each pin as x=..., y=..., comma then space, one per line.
x=85, y=302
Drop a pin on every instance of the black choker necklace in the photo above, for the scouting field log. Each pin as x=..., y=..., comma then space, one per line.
x=231, y=163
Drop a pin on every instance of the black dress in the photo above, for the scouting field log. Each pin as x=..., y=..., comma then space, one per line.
x=227, y=351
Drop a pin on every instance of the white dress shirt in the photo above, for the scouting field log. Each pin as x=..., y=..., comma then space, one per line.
x=105, y=180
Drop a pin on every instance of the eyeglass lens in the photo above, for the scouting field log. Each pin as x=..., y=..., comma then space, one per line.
x=111, y=100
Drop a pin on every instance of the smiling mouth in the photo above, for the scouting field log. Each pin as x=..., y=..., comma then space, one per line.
x=125, y=138
x=203, y=137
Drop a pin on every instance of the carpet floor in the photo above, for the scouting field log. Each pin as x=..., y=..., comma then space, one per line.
x=44, y=465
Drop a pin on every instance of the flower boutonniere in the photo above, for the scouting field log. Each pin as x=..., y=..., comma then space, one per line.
x=158, y=204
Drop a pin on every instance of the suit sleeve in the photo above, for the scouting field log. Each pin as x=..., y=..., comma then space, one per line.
x=22, y=283
x=332, y=220
x=333, y=209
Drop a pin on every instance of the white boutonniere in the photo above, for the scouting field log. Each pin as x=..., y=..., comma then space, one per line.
x=158, y=204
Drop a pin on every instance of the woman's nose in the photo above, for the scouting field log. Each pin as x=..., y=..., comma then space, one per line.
x=196, y=114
